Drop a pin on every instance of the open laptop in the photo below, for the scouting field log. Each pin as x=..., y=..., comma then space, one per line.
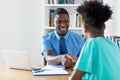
x=17, y=59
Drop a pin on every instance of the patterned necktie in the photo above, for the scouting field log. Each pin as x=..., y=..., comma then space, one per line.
x=63, y=49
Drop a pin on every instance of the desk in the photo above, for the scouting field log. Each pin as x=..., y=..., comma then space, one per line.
x=13, y=74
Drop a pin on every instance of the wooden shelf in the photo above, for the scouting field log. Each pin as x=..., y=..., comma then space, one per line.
x=66, y=5
x=49, y=28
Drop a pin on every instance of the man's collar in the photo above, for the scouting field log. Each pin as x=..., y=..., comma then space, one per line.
x=66, y=36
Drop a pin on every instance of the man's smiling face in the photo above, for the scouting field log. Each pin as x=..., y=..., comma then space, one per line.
x=61, y=22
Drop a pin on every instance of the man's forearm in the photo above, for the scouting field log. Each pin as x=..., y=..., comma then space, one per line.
x=53, y=59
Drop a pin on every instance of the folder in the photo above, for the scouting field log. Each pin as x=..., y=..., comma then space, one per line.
x=50, y=70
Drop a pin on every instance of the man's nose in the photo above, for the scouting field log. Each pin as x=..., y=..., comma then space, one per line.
x=63, y=24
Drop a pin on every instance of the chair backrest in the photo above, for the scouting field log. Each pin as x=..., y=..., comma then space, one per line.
x=45, y=61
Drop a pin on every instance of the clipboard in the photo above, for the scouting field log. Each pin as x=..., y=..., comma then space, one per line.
x=50, y=70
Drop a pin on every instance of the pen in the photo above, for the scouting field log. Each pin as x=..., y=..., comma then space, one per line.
x=37, y=71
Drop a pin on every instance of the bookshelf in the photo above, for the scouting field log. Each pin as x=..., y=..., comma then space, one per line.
x=75, y=26
x=70, y=6
x=115, y=39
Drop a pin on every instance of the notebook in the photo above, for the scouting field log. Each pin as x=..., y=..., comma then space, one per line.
x=50, y=70
x=17, y=59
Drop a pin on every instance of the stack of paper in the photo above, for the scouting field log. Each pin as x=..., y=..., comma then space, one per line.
x=50, y=70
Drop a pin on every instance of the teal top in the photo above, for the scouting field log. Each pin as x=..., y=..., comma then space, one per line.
x=99, y=59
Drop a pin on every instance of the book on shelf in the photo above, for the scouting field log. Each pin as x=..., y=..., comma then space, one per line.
x=78, y=20
x=118, y=42
x=75, y=20
x=60, y=1
x=114, y=38
x=63, y=2
x=101, y=1
x=69, y=1
x=51, y=17
x=50, y=1
x=72, y=20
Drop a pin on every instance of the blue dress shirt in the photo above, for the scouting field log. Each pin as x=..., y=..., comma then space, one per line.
x=74, y=43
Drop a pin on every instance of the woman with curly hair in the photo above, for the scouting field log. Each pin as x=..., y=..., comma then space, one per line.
x=100, y=57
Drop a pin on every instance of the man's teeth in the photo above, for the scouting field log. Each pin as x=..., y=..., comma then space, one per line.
x=63, y=28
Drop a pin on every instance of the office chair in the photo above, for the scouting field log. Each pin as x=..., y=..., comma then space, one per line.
x=45, y=61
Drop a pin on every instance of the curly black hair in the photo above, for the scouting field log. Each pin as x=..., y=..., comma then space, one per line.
x=94, y=13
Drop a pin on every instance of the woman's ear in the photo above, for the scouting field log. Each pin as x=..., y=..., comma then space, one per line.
x=85, y=28
x=104, y=26
x=85, y=31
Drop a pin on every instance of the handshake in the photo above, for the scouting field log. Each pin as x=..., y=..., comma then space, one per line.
x=68, y=60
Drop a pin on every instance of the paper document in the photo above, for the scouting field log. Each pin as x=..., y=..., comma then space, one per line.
x=53, y=67
x=50, y=70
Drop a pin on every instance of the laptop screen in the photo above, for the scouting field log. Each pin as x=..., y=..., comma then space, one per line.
x=17, y=59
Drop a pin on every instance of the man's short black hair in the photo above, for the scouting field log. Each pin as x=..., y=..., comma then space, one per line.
x=94, y=13
x=60, y=11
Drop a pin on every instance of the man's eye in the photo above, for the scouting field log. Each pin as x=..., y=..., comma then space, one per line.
x=66, y=21
x=58, y=22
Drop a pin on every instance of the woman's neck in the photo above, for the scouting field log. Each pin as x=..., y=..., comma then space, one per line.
x=95, y=33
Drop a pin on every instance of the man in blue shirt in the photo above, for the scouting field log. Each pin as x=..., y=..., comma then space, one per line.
x=51, y=41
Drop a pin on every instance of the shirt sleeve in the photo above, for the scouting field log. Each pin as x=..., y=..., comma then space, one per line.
x=46, y=45
x=86, y=60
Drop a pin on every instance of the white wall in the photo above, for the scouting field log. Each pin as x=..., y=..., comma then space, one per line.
x=116, y=18
x=109, y=30
x=113, y=25
x=31, y=26
x=9, y=25
x=20, y=27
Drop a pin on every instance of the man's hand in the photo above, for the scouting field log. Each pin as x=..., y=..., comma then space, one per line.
x=68, y=60
x=74, y=59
